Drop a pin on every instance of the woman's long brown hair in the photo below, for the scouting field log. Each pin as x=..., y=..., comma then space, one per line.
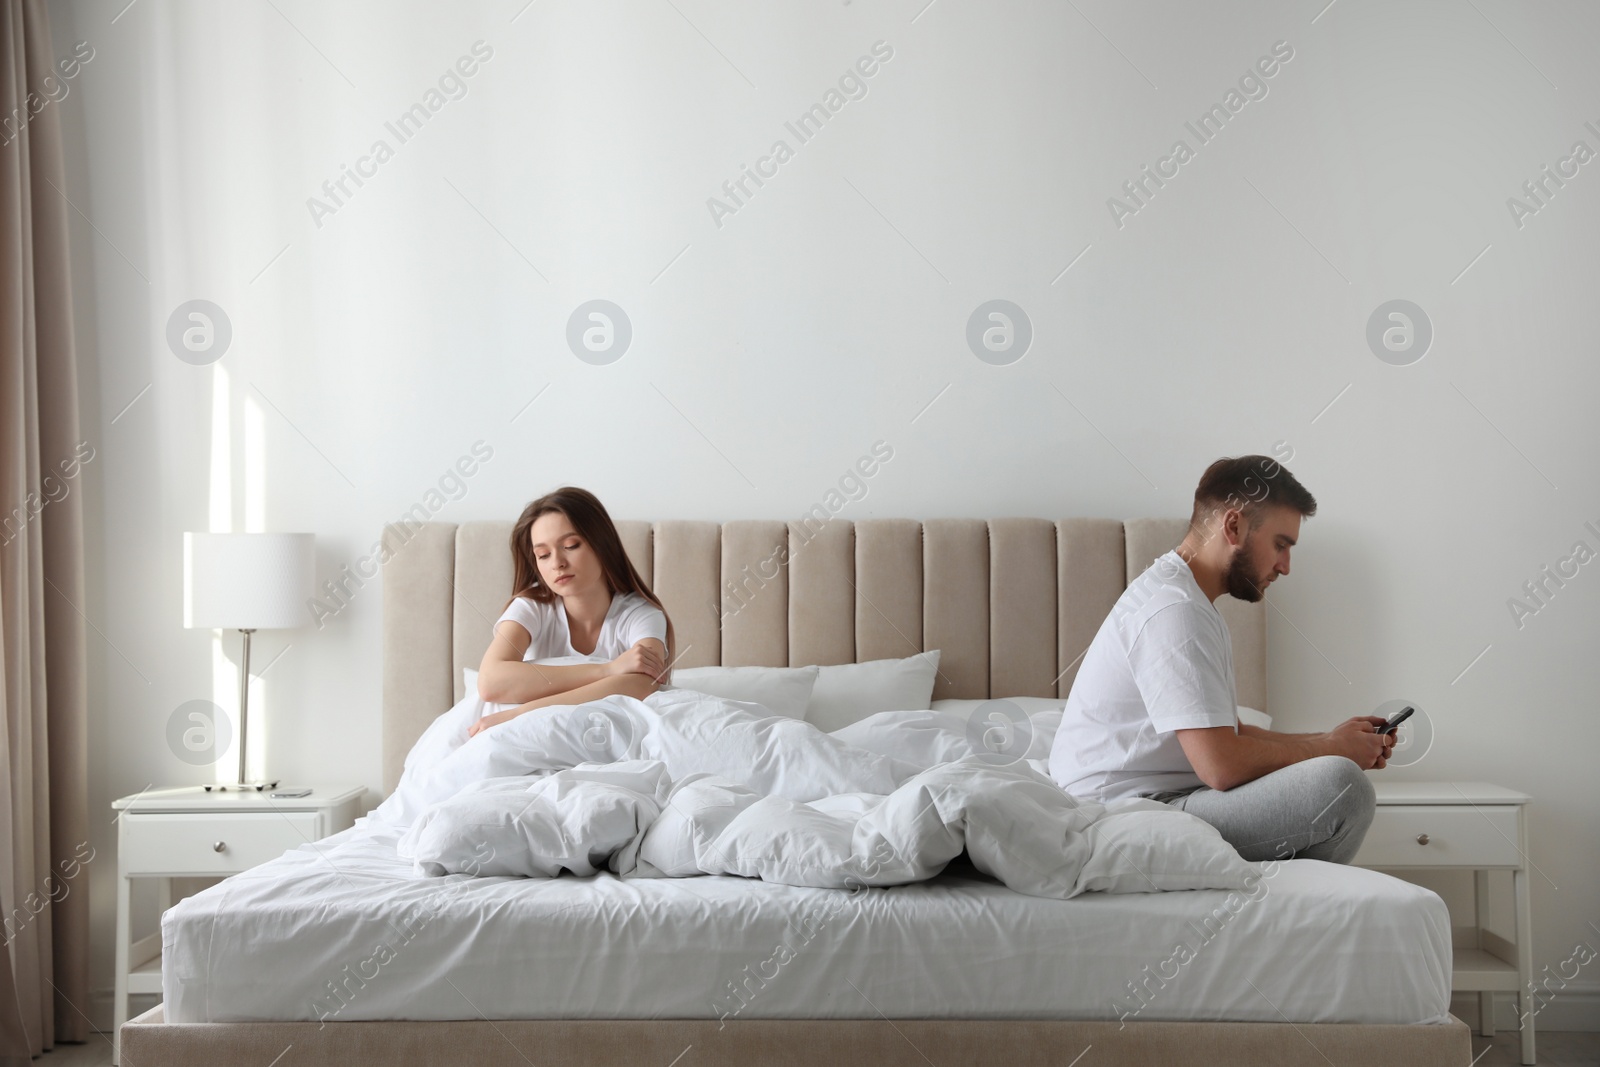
x=591, y=522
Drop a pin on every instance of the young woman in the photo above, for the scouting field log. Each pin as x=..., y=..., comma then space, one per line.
x=575, y=594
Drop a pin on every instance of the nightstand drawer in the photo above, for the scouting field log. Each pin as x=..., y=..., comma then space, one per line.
x=167, y=843
x=1419, y=835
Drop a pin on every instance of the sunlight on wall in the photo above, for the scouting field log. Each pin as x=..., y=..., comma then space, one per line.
x=228, y=643
x=224, y=676
x=255, y=467
x=255, y=508
x=225, y=694
x=221, y=453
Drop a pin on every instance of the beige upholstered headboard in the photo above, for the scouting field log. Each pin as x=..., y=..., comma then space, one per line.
x=1011, y=603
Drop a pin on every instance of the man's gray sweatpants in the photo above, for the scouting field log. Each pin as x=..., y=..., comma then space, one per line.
x=1316, y=809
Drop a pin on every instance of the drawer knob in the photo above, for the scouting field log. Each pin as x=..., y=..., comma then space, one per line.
x=222, y=846
x=1422, y=839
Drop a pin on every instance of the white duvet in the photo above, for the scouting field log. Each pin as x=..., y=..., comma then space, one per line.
x=683, y=784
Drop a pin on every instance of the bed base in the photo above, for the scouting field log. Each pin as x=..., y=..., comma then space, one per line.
x=149, y=1041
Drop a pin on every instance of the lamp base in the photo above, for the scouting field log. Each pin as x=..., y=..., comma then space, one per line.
x=259, y=786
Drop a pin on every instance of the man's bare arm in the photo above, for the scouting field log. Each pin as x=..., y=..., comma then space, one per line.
x=1271, y=735
x=1224, y=759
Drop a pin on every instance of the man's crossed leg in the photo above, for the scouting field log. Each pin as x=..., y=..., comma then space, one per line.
x=1319, y=808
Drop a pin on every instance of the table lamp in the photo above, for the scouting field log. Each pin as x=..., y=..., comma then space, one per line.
x=247, y=582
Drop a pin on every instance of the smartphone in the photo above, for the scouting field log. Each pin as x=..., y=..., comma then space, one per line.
x=286, y=794
x=1394, y=721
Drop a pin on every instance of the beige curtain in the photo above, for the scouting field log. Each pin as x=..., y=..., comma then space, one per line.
x=44, y=818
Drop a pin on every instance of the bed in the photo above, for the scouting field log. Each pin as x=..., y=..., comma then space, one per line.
x=1333, y=964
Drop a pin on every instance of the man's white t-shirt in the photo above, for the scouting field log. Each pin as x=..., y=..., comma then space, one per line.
x=630, y=619
x=1162, y=661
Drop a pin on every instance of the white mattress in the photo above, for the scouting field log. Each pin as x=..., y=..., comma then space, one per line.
x=1325, y=943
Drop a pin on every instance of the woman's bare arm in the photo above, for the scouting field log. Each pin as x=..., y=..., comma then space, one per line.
x=637, y=686
x=504, y=679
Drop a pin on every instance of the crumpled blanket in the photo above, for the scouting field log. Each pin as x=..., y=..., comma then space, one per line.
x=683, y=784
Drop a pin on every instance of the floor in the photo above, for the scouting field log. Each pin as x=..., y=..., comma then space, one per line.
x=1555, y=1050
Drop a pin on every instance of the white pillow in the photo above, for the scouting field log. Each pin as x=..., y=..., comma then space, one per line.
x=849, y=692
x=1138, y=849
x=1252, y=717
x=1044, y=715
x=1029, y=706
x=1045, y=726
x=781, y=690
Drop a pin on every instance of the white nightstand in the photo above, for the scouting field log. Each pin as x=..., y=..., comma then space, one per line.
x=1471, y=826
x=188, y=833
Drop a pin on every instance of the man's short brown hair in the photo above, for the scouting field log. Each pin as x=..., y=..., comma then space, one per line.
x=1252, y=484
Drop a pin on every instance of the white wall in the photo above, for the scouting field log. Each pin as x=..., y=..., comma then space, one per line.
x=1223, y=317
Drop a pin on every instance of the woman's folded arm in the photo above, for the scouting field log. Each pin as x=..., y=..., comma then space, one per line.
x=503, y=681
x=637, y=686
x=503, y=678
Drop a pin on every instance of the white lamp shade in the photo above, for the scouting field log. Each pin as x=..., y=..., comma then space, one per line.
x=248, y=581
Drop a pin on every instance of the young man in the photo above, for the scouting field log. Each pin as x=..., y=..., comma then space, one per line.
x=1153, y=710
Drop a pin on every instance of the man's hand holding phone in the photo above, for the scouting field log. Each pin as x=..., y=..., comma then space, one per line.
x=1392, y=723
x=1361, y=739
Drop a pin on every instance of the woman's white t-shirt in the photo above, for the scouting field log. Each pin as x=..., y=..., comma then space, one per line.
x=630, y=619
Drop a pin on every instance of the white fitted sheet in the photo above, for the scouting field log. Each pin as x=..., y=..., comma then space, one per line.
x=1322, y=943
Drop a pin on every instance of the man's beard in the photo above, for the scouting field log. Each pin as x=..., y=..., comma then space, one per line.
x=1240, y=582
